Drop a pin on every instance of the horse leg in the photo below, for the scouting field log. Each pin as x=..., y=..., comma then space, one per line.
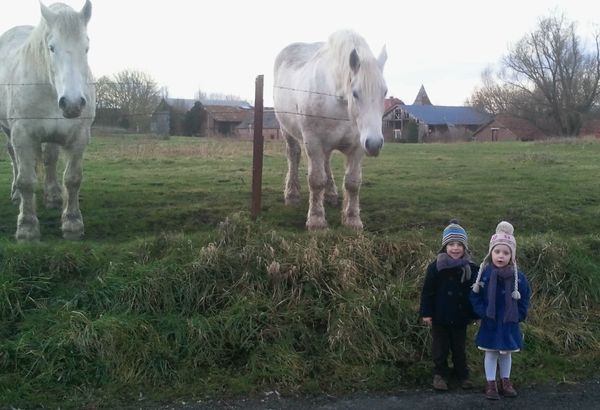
x=52, y=190
x=14, y=192
x=331, y=194
x=28, y=226
x=292, y=184
x=72, y=220
x=352, y=181
x=317, y=179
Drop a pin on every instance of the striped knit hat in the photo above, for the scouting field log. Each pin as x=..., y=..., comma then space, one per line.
x=455, y=233
x=503, y=236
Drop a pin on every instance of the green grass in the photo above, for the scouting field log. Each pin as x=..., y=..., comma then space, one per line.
x=176, y=292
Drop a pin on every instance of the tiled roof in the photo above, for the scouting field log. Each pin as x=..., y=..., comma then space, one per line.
x=439, y=115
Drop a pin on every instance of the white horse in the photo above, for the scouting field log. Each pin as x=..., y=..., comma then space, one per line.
x=329, y=96
x=47, y=97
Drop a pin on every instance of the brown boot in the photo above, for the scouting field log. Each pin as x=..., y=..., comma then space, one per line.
x=491, y=391
x=439, y=383
x=507, y=388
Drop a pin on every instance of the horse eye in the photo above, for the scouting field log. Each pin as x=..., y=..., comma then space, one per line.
x=87, y=49
x=355, y=94
x=51, y=48
x=385, y=92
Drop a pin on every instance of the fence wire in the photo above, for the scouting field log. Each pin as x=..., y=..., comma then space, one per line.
x=123, y=115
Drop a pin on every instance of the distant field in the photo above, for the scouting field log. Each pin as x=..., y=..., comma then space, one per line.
x=175, y=292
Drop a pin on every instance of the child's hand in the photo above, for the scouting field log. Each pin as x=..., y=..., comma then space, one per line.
x=426, y=321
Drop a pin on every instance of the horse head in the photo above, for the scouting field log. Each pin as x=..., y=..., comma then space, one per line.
x=367, y=92
x=67, y=44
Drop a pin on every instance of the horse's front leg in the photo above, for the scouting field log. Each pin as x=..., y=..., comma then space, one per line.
x=317, y=180
x=291, y=194
x=52, y=190
x=72, y=220
x=352, y=181
x=25, y=156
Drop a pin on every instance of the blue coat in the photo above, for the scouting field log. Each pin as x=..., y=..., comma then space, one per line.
x=495, y=334
x=445, y=299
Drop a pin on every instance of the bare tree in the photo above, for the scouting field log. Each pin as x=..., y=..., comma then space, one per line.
x=552, y=69
x=134, y=93
x=547, y=78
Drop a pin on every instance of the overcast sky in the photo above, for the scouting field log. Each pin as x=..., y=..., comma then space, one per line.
x=220, y=46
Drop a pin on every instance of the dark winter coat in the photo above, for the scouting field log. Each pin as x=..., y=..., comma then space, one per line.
x=445, y=299
x=495, y=334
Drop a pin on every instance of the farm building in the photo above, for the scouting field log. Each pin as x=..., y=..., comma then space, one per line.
x=200, y=118
x=424, y=122
x=508, y=128
x=271, y=129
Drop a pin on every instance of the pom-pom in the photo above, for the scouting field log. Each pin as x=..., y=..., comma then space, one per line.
x=505, y=227
x=516, y=295
x=454, y=221
x=477, y=286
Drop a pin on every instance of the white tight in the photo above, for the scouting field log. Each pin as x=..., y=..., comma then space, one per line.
x=494, y=358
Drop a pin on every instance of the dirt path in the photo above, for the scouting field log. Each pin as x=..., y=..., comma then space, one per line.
x=579, y=396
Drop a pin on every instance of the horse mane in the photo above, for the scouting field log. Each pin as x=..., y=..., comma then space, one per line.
x=339, y=47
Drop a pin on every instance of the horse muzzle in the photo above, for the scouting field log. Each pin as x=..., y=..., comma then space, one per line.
x=71, y=109
x=373, y=146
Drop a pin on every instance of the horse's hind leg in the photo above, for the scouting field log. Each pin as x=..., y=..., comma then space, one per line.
x=317, y=180
x=72, y=220
x=352, y=181
x=291, y=194
x=14, y=192
x=52, y=190
x=331, y=194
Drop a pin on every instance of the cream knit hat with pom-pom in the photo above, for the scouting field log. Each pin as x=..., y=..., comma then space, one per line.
x=503, y=236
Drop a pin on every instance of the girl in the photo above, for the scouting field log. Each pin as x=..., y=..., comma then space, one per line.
x=500, y=297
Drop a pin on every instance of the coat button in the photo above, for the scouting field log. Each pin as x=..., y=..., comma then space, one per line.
x=449, y=293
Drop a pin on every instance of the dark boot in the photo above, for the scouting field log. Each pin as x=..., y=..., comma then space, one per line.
x=491, y=391
x=507, y=388
x=439, y=383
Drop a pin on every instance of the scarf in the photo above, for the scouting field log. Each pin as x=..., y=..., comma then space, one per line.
x=445, y=261
x=507, y=276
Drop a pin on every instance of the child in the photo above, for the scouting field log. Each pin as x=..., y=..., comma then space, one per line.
x=445, y=305
x=500, y=297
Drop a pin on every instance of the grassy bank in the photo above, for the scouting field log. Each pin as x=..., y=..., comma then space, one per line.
x=175, y=292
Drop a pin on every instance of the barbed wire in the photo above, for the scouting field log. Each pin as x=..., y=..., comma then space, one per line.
x=309, y=91
x=122, y=115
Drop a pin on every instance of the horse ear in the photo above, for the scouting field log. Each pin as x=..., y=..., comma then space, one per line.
x=47, y=14
x=86, y=11
x=354, y=61
x=382, y=57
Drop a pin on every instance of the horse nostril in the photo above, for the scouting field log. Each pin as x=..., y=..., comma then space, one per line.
x=373, y=145
x=62, y=103
x=83, y=102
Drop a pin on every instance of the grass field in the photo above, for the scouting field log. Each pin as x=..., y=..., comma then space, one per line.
x=175, y=292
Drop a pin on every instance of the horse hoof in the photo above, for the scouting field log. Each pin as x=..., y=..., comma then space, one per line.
x=28, y=232
x=72, y=236
x=316, y=224
x=72, y=228
x=353, y=223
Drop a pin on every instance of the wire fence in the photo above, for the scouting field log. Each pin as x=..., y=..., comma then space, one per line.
x=124, y=114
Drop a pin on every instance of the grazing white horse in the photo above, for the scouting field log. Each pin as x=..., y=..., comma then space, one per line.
x=47, y=97
x=329, y=96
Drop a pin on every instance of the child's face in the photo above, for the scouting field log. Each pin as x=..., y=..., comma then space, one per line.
x=455, y=249
x=501, y=256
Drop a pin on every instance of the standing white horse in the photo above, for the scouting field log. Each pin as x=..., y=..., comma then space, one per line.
x=47, y=97
x=329, y=96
